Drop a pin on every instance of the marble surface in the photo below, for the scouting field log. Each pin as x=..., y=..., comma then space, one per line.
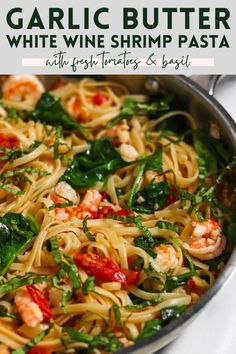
x=214, y=330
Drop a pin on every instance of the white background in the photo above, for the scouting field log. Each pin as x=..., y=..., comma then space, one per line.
x=214, y=331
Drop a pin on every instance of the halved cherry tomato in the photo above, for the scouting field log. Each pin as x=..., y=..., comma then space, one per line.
x=39, y=298
x=8, y=142
x=105, y=268
x=39, y=350
x=103, y=212
x=99, y=98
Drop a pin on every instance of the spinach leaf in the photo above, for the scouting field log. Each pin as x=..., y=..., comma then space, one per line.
x=150, y=328
x=107, y=342
x=93, y=165
x=49, y=110
x=173, y=282
x=169, y=313
x=154, y=161
x=152, y=197
x=16, y=233
x=153, y=326
x=212, y=154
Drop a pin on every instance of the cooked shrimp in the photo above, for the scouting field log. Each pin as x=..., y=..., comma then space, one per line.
x=19, y=88
x=87, y=207
x=167, y=258
x=128, y=152
x=206, y=241
x=62, y=192
x=91, y=200
x=4, y=349
x=125, y=341
x=121, y=131
x=29, y=311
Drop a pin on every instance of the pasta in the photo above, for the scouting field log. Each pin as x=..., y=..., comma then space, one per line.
x=105, y=252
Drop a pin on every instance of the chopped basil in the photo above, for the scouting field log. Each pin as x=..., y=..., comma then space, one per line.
x=137, y=220
x=90, y=236
x=19, y=281
x=88, y=285
x=142, y=304
x=67, y=267
x=115, y=309
x=9, y=315
x=61, y=205
x=12, y=154
x=161, y=224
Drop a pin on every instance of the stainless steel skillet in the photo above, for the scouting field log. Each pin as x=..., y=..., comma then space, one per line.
x=203, y=107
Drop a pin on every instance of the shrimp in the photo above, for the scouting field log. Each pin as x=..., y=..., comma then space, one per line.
x=167, y=258
x=91, y=200
x=206, y=241
x=20, y=88
x=4, y=349
x=128, y=152
x=88, y=207
x=29, y=311
x=124, y=340
x=121, y=131
x=62, y=192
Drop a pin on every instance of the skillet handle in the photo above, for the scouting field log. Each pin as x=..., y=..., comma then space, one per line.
x=208, y=82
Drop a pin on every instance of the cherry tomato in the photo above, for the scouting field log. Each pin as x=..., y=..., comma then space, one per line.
x=105, y=268
x=99, y=98
x=8, y=142
x=39, y=298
